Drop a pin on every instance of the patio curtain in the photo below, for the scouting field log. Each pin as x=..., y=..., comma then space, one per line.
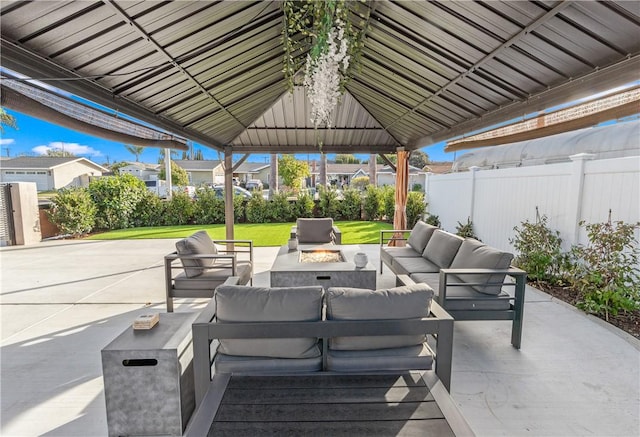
x=400, y=211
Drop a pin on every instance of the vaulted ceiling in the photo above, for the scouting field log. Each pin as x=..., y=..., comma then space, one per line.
x=211, y=71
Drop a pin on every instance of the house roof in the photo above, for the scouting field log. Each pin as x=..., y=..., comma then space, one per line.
x=197, y=165
x=251, y=167
x=429, y=71
x=143, y=165
x=45, y=163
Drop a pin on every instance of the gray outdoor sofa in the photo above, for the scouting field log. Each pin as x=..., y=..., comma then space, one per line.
x=254, y=330
x=467, y=275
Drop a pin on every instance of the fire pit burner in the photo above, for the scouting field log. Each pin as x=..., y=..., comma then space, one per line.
x=321, y=256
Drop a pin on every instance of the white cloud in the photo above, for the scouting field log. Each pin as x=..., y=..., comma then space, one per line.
x=6, y=141
x=75, y=148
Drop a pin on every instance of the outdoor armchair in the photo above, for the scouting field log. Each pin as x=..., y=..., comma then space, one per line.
x=316, y=231
x=200, y=264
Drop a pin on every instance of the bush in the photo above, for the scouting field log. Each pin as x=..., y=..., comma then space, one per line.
x=303, y=206
x=328, y=203
x=416, y=187
x=360, y=183
x=539, y=251
x=433, y=220
x=73, y=211
x=372, y=205
x=415, y=208
x=179, y=210
x=606, y=271
x=351, y=206
x=208, y=208
x=256, y=210
x=149, y=211
x=239, y=208
x=279, y=208
x=466, y=230
x=388, y=194
x=116, y=198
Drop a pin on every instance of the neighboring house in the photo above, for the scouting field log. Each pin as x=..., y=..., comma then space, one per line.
x=438, y=167
x=141, y=170
x=50, y=173
x=253, y=170
x=340, y=174
x=387, y=176
x=202, y=171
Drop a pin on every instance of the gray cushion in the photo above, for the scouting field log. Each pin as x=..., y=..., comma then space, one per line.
x=464, y=297
x=409, y=302
x=260, y=304
x=211, y=278
x=196, y=244
x=420, y=235
x=239, y=364
x=314, y=230
x=387, y=254
x=406, y=266
x=476, y=255
x=417, y=357
x=442, y=248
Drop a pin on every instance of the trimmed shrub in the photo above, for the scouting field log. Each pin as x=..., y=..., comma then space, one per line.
x=256, y=210
x=279, y=209
x=73, y=211
x=388, y=202
x=303, y=206
x=179, y=210
x=351, y=206
x=415, y=208
x=116, y=198
x=238, y=209
x=372, y=205
x=328, y=203
x=208, y=208
x=360, y=183
x=149, y=211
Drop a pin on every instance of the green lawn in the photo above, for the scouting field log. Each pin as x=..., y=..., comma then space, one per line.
x=262, y=234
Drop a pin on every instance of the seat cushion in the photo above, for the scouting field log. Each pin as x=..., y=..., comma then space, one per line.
x=239, y=364
x=387, y=254
x=408, y=302
x=417, y=357
x=442, y=248
x=314, y=230
x=213, y=277
x=407, y=266
x=196, y=244
x=420, y=235
x=464, y=297
x=476, y=255
x=262, y=304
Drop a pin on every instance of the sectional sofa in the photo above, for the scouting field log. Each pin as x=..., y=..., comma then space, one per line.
x=469, y=277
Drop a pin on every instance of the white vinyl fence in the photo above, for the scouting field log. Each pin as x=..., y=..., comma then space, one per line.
x=498, y=200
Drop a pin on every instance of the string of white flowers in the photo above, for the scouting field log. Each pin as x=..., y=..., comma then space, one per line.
x=322, y=78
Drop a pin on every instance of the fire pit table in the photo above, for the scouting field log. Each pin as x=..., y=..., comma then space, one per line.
x=327, y=265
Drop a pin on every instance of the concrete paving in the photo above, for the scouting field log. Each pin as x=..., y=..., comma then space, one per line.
x=61, y=302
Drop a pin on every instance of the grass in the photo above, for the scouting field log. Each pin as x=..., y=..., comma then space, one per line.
x=262, y=234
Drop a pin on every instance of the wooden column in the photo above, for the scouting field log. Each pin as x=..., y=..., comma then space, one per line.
x=323, y=169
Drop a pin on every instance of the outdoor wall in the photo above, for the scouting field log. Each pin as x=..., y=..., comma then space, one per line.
x=498, y=200
x=68, y=175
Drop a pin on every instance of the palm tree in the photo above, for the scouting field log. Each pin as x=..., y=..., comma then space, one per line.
x=135, y=150
x=6, y=119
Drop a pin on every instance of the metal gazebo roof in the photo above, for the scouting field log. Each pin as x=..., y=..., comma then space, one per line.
x=212, y=71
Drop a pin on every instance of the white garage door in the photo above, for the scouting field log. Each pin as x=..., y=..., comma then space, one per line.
x=39, y=177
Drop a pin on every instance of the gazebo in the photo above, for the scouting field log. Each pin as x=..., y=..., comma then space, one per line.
x=212, y=72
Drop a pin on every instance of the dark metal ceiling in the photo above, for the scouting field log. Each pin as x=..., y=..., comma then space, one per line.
x=211, y=70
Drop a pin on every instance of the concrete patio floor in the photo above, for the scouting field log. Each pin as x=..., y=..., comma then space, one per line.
x=62, y=301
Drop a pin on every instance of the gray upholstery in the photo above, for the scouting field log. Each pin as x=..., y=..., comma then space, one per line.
x=406, y=266
x=408, y=302
x=240, y=364
x=314, y=230
x=417, y=357
x=442, y=248
x=261, y=304
x=211, y=278
x=197, y=244
x=478, y=301
x=388, y=253
x=474, y=254
x=420, y=235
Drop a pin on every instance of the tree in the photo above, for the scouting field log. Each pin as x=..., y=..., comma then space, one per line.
x=116, y=166
x=346, y=159
x=60, y=153
x=178, y=175
x=197, y=155
x=135, y=150
x=292, y=171
x=173, y=154
x=419, y=159
x=6, y=119
x=391, y=157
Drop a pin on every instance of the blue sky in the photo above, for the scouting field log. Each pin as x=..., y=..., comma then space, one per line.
x=34, y=137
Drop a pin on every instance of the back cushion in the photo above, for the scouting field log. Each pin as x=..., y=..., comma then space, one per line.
x=314, y=230
x=420, y=235
x=408, y=302
x=476, y=255
x=442, y=248
x=197, y=244
x=262, y=304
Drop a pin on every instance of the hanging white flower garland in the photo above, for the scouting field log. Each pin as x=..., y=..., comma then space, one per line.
x=322, y=76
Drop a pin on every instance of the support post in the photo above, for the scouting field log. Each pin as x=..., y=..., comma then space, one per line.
x=167, y=171
x=576, y=192
x=472, y=203
x=273, y=176
x=228, y=192
x=323, y=169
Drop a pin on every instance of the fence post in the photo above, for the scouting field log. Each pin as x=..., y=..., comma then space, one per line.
x=472, y=203
x=576, y=192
